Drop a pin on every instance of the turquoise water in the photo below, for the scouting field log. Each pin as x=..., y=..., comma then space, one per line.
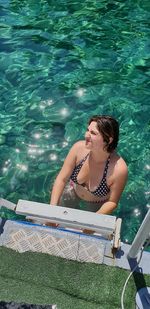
x=60, y=63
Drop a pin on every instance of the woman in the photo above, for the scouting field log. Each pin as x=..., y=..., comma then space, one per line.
x=96, y=173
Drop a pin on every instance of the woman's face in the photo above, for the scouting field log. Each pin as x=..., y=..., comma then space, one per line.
x=93, y=138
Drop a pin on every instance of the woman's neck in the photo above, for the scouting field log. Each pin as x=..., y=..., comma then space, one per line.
x=99, y=157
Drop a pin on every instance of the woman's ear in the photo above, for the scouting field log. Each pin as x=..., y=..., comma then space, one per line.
x=110, y=140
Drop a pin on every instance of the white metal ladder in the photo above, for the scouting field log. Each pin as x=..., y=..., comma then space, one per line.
x=106, y=225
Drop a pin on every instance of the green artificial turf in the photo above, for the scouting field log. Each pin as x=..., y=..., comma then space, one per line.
x=43, y=279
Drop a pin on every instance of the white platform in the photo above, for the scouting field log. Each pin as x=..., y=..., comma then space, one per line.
x=24, y=237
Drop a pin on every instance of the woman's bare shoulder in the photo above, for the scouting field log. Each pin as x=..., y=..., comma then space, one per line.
x=80, y=145
x=118, y=171
x=79, y=150
x=120, y=165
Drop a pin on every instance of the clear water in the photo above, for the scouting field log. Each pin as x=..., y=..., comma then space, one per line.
x=60, y=63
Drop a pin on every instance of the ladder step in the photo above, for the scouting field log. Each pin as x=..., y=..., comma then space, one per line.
x=105, y=224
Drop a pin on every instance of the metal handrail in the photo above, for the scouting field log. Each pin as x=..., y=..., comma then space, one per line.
x=141, y=237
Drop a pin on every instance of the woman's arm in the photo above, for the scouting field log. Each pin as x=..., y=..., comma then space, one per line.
x=64, y=175
x=116, y=189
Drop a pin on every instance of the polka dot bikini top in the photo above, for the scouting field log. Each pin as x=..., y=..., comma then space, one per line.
x=102, y=188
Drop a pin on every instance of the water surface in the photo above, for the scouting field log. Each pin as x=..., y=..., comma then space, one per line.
x=60, y=63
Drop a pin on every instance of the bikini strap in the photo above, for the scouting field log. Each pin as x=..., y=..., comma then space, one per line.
x=84, y=159
x=106, y=167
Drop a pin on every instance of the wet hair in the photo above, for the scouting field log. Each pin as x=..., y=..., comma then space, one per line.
x=108, y=127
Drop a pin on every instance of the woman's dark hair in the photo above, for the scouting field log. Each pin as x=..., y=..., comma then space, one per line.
x=108, y=127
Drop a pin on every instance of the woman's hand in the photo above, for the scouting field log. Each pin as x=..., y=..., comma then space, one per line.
x=51, y=224
x=88, y=232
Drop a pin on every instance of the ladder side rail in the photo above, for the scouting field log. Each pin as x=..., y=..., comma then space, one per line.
x=142, y=235
x=7, y=204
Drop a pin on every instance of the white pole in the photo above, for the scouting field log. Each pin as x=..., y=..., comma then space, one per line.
x=142, y=235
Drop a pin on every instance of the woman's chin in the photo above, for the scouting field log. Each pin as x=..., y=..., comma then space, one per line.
x=88, y=145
